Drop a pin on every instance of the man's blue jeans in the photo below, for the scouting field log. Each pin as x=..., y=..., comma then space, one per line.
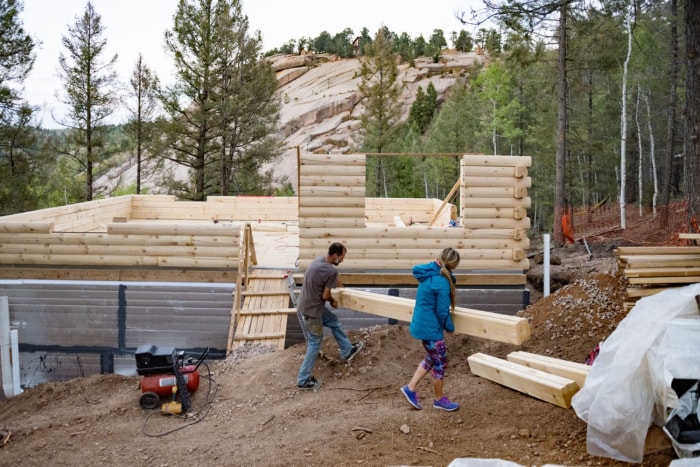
x=313, y=343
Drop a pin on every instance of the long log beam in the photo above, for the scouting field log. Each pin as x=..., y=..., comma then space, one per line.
x=488, y=325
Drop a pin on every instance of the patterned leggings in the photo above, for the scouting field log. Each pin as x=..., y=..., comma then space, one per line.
x=436, y=359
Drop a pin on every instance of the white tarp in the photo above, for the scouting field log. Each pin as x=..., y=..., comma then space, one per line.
x=629, y=384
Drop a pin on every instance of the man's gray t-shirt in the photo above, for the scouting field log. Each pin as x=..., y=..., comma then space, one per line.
x=319, y=275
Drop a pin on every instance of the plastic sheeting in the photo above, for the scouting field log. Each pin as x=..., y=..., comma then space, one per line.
x=629, y=384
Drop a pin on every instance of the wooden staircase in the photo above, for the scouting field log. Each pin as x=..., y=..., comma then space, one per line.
x=265, y=307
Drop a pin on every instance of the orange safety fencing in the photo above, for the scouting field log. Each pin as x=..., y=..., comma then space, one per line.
x=602, y=223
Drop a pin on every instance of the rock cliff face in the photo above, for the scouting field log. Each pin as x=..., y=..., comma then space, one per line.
x=320, y=109
x=321, y=104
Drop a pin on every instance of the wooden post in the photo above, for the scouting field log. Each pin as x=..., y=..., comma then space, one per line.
x=450, y=195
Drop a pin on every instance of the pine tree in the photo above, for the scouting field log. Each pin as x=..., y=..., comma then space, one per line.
x=381, y=94
x=90, y=90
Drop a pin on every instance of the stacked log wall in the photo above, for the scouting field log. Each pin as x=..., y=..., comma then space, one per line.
x=492, y=236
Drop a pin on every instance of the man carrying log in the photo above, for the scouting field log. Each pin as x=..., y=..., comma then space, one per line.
x=320, y=277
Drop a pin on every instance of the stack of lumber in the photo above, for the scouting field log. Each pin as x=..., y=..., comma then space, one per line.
x=549, y=379
x=649, y=270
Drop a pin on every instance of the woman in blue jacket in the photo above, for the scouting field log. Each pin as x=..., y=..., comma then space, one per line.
x=432, y=315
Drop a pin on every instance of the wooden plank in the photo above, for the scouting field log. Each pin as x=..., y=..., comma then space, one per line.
x=494, y=213
x=576, y=372
x=656, y=250
x=539, y=384
x=665, y=272
x=495, y=326
x=333, y=211
x=664, y=280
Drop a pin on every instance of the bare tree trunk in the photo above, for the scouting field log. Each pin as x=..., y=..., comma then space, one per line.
x=560, y=175
x=623, y=127
x=692, y=106
x=640, y=172
x=671, y=112
x=652, y=153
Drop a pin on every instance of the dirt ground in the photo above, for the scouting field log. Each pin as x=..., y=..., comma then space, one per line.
x=248, y=411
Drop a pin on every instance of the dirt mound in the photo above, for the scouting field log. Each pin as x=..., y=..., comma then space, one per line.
x=252, y=413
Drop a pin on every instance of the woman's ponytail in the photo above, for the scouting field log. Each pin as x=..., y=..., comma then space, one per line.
x=449, y=260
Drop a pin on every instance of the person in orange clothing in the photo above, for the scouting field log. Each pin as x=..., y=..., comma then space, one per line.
x=567, y=226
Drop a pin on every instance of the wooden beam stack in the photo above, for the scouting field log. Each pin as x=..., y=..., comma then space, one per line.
x=549, y=379
x=649, y=270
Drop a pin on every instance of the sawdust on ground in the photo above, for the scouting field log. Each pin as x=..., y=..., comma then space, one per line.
x=252, y=414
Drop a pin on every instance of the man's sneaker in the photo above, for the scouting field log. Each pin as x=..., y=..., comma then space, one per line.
x=445, y=404
x=356, y=347
x=411, y=397
x=311, y=383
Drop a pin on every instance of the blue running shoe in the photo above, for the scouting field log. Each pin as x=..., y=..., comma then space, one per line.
x=445, y=404
x=411, y=397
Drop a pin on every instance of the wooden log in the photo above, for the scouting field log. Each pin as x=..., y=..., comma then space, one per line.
x=332, y=159
x=210, y=228
x=539, y=384
x=327, y=191
x=494, y=326
x=396, y=279
x=467, y=202
x=488, y=171
x=332, y=180
x=495, y=181
x=332, y=211
x=494, y=213
x=417, y=231
x=495, y=223
x=419, y=243
x=355, y=263
x=325, y=170
x=122, y=274
x=396, y=253
x=25, y=227
x=332, y=202
x=337, y=223
x=60, y=213
x=576, y=372
x=226, y=251
x=75, y=238
x=494, y=192
x=496, y=161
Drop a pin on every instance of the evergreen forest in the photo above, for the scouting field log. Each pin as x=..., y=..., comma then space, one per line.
x=602, y=95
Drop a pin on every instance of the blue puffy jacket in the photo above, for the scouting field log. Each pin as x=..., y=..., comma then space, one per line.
x=431, y=314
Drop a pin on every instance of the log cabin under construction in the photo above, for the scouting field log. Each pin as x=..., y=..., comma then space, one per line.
x=86, y=284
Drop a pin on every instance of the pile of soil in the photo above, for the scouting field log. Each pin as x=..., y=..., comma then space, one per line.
x=249, y=412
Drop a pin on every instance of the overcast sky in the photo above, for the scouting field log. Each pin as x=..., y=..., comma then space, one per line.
x=137, y=26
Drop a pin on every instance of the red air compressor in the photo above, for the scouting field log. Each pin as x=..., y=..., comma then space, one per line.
x=167, y=373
